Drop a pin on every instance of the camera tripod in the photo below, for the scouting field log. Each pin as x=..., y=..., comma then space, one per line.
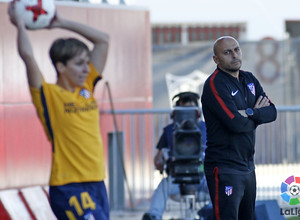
x=187, y=200
x=188, y=207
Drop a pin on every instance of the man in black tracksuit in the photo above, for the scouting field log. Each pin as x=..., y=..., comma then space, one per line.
x=233, y=104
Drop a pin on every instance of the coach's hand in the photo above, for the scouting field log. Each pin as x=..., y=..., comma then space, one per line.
x=262, y=102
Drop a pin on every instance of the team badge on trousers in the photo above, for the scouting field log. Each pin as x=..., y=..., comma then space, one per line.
x=228, y=190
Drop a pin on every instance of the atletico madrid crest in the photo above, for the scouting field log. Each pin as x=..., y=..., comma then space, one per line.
x=228, y=190
x=252, y=88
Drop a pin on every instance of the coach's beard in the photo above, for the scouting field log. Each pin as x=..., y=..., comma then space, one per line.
x=234, y=67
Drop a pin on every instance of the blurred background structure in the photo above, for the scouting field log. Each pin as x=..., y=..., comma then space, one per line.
x=158, y=48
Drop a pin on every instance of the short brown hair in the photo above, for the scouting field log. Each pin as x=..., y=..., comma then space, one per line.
x=64, y=49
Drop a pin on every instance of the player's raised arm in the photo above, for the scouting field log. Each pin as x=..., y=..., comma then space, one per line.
x=25, y=49
x=97, y=37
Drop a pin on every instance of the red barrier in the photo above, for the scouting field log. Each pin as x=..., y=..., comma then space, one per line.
x=30, y=203
x=27, y=206
x=3, y=213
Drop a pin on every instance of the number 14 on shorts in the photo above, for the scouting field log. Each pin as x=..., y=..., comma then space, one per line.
x=86, y=203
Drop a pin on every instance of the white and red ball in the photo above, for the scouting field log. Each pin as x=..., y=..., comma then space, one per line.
x=36, y=13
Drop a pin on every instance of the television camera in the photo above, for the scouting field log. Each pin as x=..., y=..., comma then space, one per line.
x=186, y=157
x=185, y=164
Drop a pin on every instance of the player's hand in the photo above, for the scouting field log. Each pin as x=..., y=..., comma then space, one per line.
x=56, y=21
x=14, y=17
x=262, y=102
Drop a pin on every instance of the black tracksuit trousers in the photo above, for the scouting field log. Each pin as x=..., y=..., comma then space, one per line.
x=233, y=195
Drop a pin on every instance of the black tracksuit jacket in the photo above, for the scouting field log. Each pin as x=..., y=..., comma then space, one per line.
x=231, y=136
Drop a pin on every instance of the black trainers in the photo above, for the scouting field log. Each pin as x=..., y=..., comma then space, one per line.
x=148, y=216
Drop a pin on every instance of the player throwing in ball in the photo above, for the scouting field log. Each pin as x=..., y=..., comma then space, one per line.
x=70, y=116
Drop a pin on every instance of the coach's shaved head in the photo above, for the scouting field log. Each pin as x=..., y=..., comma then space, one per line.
x=228, y=55
x=220, y=40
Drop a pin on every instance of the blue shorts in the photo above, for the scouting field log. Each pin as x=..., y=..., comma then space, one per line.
x=74, y=201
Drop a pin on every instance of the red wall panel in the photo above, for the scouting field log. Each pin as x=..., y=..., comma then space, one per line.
x=27, y=151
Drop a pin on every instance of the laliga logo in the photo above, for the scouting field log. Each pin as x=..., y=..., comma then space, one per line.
x=290, y=190
x=290, y=193
x=36, y=13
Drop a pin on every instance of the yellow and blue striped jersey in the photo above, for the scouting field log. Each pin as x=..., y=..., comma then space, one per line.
x=71, y=122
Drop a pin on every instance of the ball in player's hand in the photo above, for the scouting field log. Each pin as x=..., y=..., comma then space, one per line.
x=36, y=13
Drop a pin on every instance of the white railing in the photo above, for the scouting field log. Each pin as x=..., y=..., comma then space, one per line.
x=277, y=150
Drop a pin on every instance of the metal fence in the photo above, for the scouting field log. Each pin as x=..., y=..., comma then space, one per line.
x=277, y=151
